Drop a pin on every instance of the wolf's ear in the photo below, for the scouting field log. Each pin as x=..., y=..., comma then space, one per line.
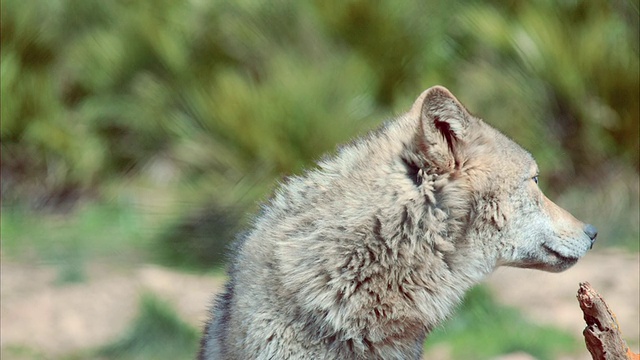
x=443, y=124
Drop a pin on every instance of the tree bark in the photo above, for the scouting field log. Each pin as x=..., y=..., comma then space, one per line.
x=602, y=334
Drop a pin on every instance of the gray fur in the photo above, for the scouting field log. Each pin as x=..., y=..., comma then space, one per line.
x=364, y=256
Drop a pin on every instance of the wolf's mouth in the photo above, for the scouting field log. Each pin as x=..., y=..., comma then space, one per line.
x=563, y=258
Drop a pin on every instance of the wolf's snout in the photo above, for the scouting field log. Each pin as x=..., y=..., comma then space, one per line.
x=591, y=232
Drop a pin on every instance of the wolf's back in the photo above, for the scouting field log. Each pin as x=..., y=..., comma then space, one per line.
x=302, y=281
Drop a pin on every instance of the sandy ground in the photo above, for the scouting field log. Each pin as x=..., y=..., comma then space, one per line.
x=551, y=298
x=52, y=319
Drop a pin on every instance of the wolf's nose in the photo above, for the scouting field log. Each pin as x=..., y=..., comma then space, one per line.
x=591, y=232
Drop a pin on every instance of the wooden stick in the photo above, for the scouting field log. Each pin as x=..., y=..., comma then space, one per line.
x=602, y=334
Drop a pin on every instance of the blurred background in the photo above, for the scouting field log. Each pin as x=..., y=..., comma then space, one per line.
x=138, y=137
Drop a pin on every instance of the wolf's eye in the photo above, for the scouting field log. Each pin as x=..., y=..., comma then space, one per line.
x=535, y=179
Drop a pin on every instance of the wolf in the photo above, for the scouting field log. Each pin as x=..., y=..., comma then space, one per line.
x=361, y=257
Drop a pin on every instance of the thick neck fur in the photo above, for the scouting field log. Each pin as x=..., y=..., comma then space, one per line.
x=378, y=241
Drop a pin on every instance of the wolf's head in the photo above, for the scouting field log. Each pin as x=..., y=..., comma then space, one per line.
x=504, y=210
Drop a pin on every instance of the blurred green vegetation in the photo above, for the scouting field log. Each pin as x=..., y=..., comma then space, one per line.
x=209, y=103
x=150, y=130
x=97, y=232
x=482, y=329
x=157, y=333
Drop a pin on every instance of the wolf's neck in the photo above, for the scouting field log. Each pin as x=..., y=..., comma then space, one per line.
x=436, y=259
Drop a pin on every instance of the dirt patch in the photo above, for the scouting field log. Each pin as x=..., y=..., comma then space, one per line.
x=59, y=319
x=53, y=319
